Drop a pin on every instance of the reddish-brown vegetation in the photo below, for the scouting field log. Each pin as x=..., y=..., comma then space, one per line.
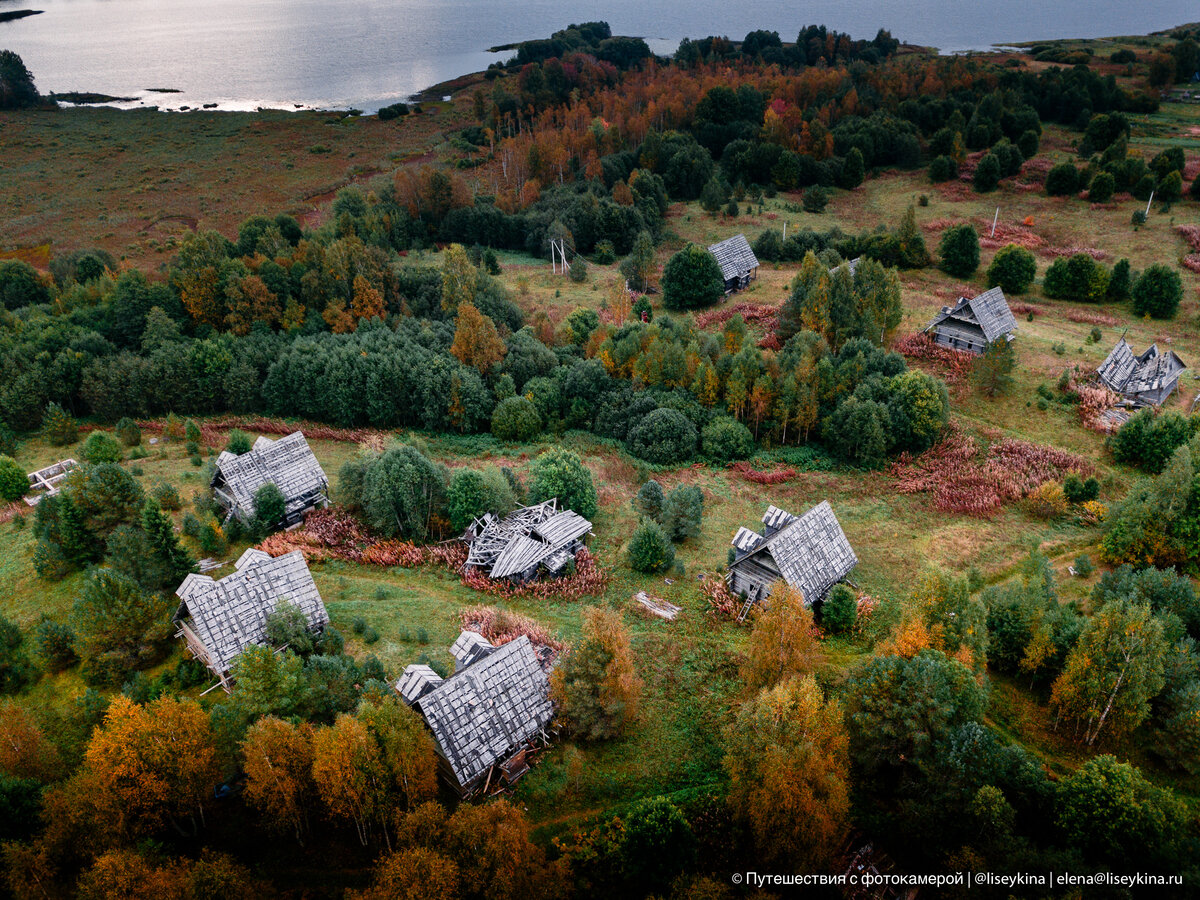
x=752, y=313
x=215, y=431
x=588, y=580
x=1086, y=317
x=962, y=475
x=723, y=603
x=951, y=365
x=777, y=475
x=500, y=626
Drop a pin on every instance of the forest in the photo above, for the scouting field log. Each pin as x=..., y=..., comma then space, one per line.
x=1011, y=683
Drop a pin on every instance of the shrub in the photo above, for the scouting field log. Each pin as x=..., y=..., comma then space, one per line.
x=839, y=611
x=56, y=645
x=1076, y=490
x=1013, y=270
x=1119, y=281
x=578, y=272
x=815, y=199
x=650, y=501
x=1149, y=439
x=560, y=473
x=1083, y=566
x=692, y=278
x=1170, y=188
x=370, y=635
x=516, y=419
x=943, y=168
x=683, y=513
x=987, y=173
x=167, y=496
x=61, y=427
x=649, y=548
x=358, y=624
x=1062, y=180
x=604, y=254
x=1047, y=501
x=239, y=442
x=663, y=437
x=1102, y=188
x=13, y=480
x=1077, y=277
x=270, y=508
x=102, y=448
x=724, y=440
x=1138, y=218
x=1157, y=292
x=128, y=432
x=959, y=250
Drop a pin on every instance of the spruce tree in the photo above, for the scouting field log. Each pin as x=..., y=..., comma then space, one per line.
x=160, y=533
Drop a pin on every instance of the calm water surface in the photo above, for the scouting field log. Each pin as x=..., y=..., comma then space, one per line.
x=242, y=54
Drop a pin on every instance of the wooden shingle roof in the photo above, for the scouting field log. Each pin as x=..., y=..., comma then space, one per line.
x=524, y=539
x=811, y=551
x=288, y=462
x=231, y=614
x=988, y=310
x=1151, y=372
x=734, y=256
x=485, y=711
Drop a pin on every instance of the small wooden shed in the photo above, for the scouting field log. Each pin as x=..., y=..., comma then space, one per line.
x=1145, y=380
x=289, y=463
x=974, y=322
x=808, y=552
x=739, y=265
x=488, y=715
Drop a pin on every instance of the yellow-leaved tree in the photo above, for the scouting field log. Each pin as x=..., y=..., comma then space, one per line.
x=784, y=640
x=788, y=759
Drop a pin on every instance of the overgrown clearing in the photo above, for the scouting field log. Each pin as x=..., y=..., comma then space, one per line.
x=214, y=170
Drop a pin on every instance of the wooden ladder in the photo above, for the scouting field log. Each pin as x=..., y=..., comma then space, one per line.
x=746, y=608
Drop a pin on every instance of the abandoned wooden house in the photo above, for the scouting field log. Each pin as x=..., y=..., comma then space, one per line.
x=739, y=266
x=974, y=322
x=287, y=462
x=488, y=715
x=1146, y=380
x=220, y=619
x=45, y=482
x=851, y=264
x=527, y=542
x=808, y=552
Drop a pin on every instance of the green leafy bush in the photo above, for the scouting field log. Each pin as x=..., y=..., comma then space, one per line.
x=663, y=437
x=516, y=419
x=13, y=480
x=839, y=611
x=649, y=548
x=959, y=250
x=1157, y=292
x=1012, y=269
x=725, y=439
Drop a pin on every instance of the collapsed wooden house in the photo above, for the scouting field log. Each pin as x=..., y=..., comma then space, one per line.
x=527, y=542
x=974, y=322
x=488, y=715
x=1145, y=380
x=739, y=265
x=288, y=463
x=808, y=552
x=851, y=264
x=220, y=619
x=45, y=482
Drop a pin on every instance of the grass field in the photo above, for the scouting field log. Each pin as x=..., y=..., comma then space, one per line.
x=165, y=173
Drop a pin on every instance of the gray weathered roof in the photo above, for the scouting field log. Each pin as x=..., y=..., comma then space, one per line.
x=988, y=310
x=851, y=264
x=524, y=539
x=811, y=552
x=231, y=614
x=482, y=713
x=734, y=256
x=1149, y=373
x=288, y=462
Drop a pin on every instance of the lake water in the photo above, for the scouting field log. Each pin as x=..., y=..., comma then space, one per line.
x=241, y=54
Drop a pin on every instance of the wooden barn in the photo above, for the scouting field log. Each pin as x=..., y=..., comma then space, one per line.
x=220, y=619
x=488, y=715
x=287, y=462
x=526, y=543
x=973, y=323
x=739, y=266
x=809, y=552
x=1146, y=380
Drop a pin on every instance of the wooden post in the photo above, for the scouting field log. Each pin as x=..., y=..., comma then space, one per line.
x=995, y=219
x=1148, y=202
